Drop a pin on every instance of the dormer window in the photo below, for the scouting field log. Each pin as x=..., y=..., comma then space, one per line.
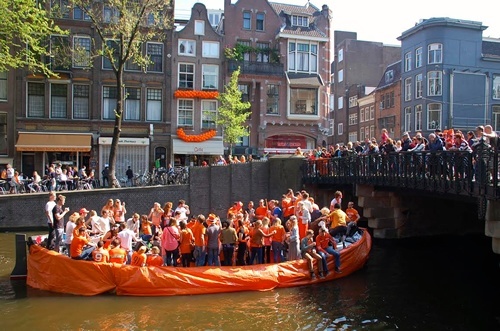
x=300, y=20
x=389, y=76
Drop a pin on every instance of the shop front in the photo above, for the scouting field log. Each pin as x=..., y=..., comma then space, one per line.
x=287, y=144
x=133, y=152
x=194, y=153
x=40, y=149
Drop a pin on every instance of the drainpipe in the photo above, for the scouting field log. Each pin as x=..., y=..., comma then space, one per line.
x=450, y=118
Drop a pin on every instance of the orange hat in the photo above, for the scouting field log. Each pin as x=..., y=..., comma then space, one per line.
x=211, y=218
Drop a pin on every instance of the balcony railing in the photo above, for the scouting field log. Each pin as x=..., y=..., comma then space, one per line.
x=257, y=68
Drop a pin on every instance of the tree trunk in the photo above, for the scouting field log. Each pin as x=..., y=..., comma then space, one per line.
x=113, y=181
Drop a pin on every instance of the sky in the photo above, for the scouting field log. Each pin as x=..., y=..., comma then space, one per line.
x=385, y=20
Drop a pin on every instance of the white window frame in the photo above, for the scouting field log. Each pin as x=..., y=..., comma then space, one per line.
x=189, y=47
x=418, y=118
x=341, y=75
x=340, y=129
x=83, y=62
x=495, y=86
x=353, y=136
x=435, y=83
x=188, y=109
x=199, y=27
x=246, y=18
x=210, y=72
x=209, y=109
x=132, y=106
x=496, y=117
x=210, y=49
x=418, y=57
x=187, y=73
x=299, y=20
x=154, y=104
x=35, y=103
x=257, y=21
x=300, y=59
x=361, y=115
x=435, y=53
x=81, y=101
x=408, y=89
x=419, y=85
x=108, y=107
x=151, y=67
x=340, y=103
x=407, y=61
x=407, y=119
x=340, y=55
x=431, y=123
x=53, y=98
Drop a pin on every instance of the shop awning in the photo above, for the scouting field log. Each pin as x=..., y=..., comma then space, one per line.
x=304, y=80
x=208, y=147
x=54, y=142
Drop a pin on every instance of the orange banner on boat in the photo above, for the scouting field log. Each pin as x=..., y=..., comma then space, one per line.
x=48, y=270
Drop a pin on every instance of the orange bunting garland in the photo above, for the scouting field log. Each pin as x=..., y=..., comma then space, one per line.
x=196, y=94
x=191, y=138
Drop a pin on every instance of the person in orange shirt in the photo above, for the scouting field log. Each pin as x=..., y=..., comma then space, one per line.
x=352, y=214
x=278, y=240
x=147, y=232
x=116, y=253
x=154, y=259
x=100, y=254
x=78, y=243
x=288, y=205
x=325, y=246
x=186, y=244
x=261, y=211
x=236, y=208
x=139, y=257
x=199, y=232
x=257, y=242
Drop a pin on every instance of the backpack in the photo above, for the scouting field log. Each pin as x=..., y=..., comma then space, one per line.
x=4, y=174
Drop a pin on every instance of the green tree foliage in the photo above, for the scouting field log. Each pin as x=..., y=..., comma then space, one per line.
x=25, y=28
x=123, y=27
x=233, y=113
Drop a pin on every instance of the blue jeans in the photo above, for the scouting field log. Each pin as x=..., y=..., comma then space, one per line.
x=199, y=253
x=336, y=255
x=228, y=251
x=255, y=251
x=85, y=254
x=58, y=239
x=277, y=251
x=213, y=257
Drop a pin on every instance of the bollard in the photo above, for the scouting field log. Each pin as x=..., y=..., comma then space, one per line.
x=20, y=269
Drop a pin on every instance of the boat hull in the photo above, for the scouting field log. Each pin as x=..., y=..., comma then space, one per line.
x=51, y=271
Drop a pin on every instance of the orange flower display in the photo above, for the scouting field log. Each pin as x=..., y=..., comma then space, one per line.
x=191, y=94
x=191, y=138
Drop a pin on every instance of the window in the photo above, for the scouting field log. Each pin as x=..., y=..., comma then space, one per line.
x=353, y=119
x=113, y=46
x=496, y=117
x=418, y=57
x=303, y=101
x=59, y=50
x=341, y=75
x=367, y=132
x=418, y=117
x=81, y=52
x=210, y=49
x=3, y=85
x=434, y=82
x=435, y=53
x=247, y=20
x=361, y=115
x=199, y=28
x=372, y=130
x=272, y=99
x=110, y=14
x=187, y=47
x=372, y=112
x=340, y=103
x=58, y=100
x=418, y=86
x=353, y=136
x=208, y=114
x=303, y=57
x=59, y=8
x=387, y=100
x=259, y=22
x=246, y=56
x=185, y=112
x=407, y=61
x=132, y=104
x=210, y=76
x=81, y=101
x=367, y=114
x=496, y=87
x=263, y=54
x=340, y=129
x=130, y=65
x=186, y=75
x=245, y=92
x=353, y=101
x=407, y=119
x=3, y=133
x=36, y=100
x=214, y=19
x=153, y=104
x=433, y=116
x=408, y=89
x=340, y=55
x=300, y=20
x=389, y=76
x=79, y=14
x=155, y=53
x=362, y=133
x=109, y=95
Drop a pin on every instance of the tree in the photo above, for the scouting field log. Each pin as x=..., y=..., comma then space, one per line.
x=233, y=113
x=25, y=28
x=123, y=26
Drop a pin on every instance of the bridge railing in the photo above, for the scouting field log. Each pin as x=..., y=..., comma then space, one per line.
x=458, y=172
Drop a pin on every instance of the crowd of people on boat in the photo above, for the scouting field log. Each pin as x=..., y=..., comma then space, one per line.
x=269, y=232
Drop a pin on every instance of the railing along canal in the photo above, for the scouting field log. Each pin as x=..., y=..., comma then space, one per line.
x=452, y=172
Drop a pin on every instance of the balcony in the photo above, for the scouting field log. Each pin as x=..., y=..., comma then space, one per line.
x=257, y=68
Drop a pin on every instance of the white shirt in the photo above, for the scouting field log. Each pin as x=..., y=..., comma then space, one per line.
x=70, y=226
x=48, y=208
x=184, y=212
x=134, y=226
x=126, y=236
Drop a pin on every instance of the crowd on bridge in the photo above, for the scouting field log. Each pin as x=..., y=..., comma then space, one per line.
x=270, y=232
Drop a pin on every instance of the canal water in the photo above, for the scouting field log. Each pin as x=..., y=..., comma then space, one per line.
x=438, y=283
